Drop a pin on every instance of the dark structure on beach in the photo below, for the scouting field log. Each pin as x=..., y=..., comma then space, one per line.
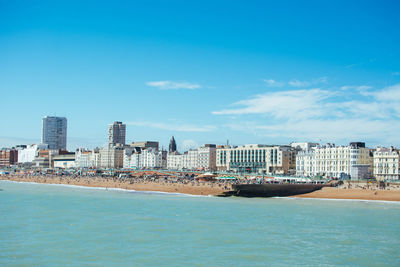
x=273, y=190
x=172, y=145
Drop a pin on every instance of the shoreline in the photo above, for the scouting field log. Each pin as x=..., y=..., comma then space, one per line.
x=195, y=188
x=188, y=188
x=106, y=188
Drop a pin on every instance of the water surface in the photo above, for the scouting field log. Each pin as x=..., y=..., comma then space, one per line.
x=50, y=225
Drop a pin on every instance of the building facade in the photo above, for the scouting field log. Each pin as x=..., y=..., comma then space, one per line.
x=174, y=161
x=257, y=159
x=202, y=158
x=29, y=153
x=8, y=157
x=386, y=164
x=65, y=161
x=87, y=159
x=207, y=156
x=116, y=133
x=112, y=157
x=332, y=161
x=54, y=132
x=148, y=158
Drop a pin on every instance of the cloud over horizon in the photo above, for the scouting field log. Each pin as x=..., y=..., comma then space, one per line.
x=321, y=114
x=171, y=85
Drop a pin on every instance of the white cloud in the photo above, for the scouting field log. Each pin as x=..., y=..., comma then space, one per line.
x=273, y=83
x=316, y=114
x=171, y=85
x=327, y=129
x=284, y=104
x=354, y=87
x=174, y=126
x=297, y=83
x=390, y=94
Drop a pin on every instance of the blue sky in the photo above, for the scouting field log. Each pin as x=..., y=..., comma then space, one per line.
x=268, y=72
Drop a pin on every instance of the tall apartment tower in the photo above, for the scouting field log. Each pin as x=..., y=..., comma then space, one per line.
x=116, y=133
x=54, y=132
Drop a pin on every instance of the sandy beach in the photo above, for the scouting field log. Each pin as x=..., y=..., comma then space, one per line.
x=354, y=193
x=346, y=191
x=189, y=187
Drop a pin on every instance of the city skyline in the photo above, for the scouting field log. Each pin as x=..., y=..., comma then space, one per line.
x=312, y=73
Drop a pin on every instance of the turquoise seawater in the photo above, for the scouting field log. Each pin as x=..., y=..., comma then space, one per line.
x=50, y=225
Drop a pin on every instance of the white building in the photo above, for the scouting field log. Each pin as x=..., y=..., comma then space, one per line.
x=112, y=157
x=304, y=162
x=203, y=158
x=174, y=161
x=54, y=132
x=131, y=159
x=207, y=156
x=257, y=159
x=29, y=153
x=386, y=164
x=190, y=159
x=332, y=161
x=87, y=159
x=149, y=158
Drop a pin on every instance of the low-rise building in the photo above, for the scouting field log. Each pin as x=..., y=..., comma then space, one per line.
x=268, y=159
x=87, y=159
x=8, y=157
x=386, y=164
x=112, y=156
x=174, y=161
x=29, y=153
x=202, y=158
x=65, y=161
x=332, y=161
x=149, y=158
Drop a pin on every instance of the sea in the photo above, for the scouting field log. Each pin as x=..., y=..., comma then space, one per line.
x=59, y=225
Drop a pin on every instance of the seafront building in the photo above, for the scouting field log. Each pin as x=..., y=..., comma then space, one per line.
x=149, y=158
x=8, y=157
x=87, y=159
x=202, y=158
x=28, y=154
x=64, y=161
x=387, y=164
x=267, y=159
x=116, y=133
x=174, y=161
x=45, y=157
x=207, y=157
x=112, y=156
x=335, y=161
x=54, y=132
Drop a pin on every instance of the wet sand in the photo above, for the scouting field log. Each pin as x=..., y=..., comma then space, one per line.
x=354, y=193
x=189, y=187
